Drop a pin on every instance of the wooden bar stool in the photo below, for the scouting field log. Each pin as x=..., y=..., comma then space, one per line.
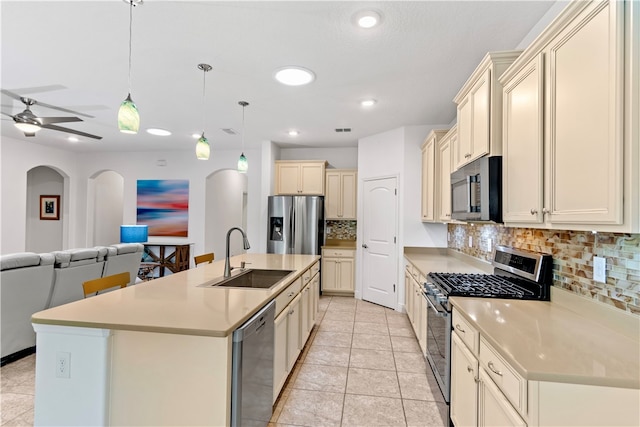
x=96, y=285
x=204, y=258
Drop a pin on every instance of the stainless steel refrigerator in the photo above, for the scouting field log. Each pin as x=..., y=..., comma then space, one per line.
x=296, y=225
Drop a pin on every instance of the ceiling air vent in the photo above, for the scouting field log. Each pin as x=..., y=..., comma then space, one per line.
x=343, y=129
x=229, y=131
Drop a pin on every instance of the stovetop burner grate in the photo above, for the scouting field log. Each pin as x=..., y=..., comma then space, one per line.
x=481, y=285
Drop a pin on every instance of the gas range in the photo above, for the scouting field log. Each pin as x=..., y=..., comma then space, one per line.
x=517, y=274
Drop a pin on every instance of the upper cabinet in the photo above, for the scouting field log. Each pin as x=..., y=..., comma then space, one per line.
x=570, y=113
x=444, y=161
x=340, y=199
x=430, y=175
x=303, y=178
x=480, y=110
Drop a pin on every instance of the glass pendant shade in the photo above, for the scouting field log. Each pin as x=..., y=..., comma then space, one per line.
x=128, y=116
x=243, y=164
x=202, y=148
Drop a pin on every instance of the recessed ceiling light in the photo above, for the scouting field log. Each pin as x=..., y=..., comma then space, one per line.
x=367, y=18
x=294, y=133
x=158, y=132
x=294, y=76
x=368, y=102
x=72, y=139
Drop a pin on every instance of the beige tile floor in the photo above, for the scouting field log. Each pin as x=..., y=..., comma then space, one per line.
x=361, y=367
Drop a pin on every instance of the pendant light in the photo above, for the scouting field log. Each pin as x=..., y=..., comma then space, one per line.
x=128, y=116
x=243, y=164
x=202, y=146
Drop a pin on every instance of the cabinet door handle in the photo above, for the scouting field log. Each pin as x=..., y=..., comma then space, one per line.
x=545, y=211
x=493, y=369
x=364, y=245
x=469, y=369
x=534, y=211
x=291, y=294
x=459, y=328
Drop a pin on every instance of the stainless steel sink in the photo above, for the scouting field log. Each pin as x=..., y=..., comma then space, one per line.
x=253, y=278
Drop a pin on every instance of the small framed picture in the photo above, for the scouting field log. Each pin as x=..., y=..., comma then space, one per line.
x=50, y=207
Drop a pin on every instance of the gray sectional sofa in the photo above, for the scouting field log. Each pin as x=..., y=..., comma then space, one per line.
x=31, y=282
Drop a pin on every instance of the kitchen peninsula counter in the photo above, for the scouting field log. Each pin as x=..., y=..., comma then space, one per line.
x=156, y=353
x=176, y=304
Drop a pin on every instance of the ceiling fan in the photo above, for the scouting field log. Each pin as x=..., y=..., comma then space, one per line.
x=29, y=123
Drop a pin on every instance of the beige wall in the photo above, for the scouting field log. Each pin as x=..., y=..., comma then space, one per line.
x=573, y=253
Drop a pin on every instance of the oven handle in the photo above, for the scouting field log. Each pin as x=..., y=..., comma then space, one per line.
x=439, y=313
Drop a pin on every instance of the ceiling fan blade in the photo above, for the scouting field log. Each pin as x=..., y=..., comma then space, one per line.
x=6, y=114
x=73, y=131
x=66, y=110
x=39, y=89
x=52, y=120
x=11, y=94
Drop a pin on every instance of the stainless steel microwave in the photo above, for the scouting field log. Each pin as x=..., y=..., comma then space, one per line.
x=476, y=191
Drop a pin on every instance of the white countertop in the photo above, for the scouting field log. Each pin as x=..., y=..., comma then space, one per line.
x=176, y=304
x=545, y=341
x=436, y=260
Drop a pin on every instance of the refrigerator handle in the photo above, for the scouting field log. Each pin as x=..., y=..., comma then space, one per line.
x=292, y=227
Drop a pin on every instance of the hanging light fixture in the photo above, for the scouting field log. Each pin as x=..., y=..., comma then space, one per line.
x=202, y=146
x=243, y=164
x=128, y=116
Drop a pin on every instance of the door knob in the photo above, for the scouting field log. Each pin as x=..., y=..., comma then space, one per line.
x=364, y=245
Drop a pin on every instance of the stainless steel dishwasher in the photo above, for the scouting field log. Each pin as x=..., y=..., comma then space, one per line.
x=252, y=370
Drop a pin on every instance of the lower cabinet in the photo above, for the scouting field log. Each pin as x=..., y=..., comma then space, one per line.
x=494, y=409
x=416, y=305
x=476, y=400
x=338, y=271
x=294, y=323
x=464, y=385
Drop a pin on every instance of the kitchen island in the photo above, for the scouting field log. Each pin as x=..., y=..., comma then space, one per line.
x=157, y=353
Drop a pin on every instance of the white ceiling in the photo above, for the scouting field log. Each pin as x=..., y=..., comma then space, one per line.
x=74, y=54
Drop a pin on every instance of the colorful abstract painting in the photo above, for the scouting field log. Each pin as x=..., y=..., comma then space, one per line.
x=163, y=205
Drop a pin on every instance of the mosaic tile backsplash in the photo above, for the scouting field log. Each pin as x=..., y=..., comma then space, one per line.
x=341, y=230
x=573, y=253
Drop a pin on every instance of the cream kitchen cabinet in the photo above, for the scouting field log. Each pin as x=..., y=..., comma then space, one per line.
x=300, y=177
x=464, y=384
x=569, y=116
x=296, y=314
x=416, y=305
x=444, y=162
x=340, y=198
x=430, y=175
x=479, y=106
x=494, y=409
x=338, y=269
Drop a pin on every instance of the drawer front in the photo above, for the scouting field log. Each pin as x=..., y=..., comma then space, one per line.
x=340, y=253
x=469, y=335
x=306, y=277
x=315, y=268
x=506, y=378
x=288, y=295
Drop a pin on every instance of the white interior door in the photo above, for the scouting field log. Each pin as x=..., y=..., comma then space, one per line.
x=379, y=249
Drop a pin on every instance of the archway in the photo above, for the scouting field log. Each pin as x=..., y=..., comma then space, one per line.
x=46, y=234
x=225, y=207
x=106, y=201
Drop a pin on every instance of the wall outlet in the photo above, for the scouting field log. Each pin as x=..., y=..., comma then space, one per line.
x=470, y=241
x=489, y=245
x=600, y=269
x=448, y=236
x=63, y=364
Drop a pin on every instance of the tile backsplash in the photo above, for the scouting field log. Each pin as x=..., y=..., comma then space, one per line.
x=573, y=253
x=340, y=229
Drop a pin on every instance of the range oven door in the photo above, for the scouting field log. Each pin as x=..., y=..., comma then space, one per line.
x=439, y=343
